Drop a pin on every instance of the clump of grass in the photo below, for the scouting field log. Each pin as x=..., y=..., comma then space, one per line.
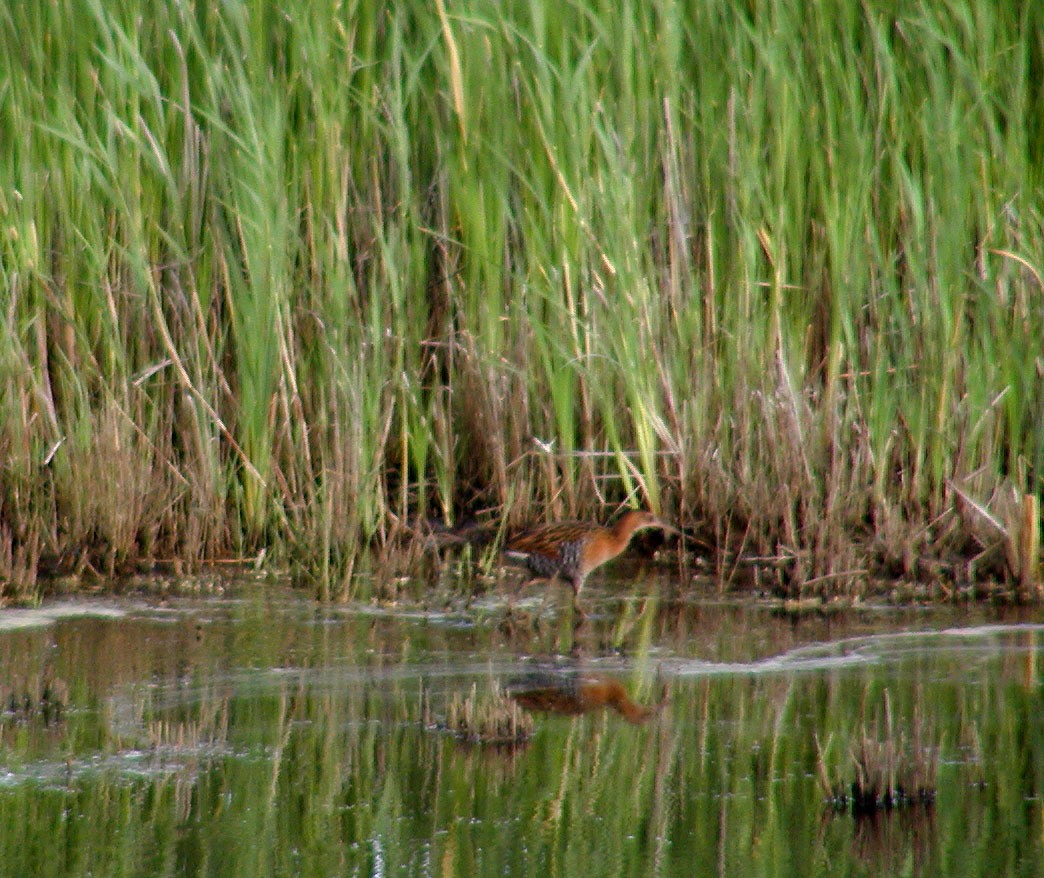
x=45, y=703
x=889, y=767
x=185, y=735
x=489, y=717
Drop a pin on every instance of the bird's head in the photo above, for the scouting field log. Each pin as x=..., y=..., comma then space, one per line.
x=639, y=519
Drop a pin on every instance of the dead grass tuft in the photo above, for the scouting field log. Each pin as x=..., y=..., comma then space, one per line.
x=890, y=768
x=487, y=717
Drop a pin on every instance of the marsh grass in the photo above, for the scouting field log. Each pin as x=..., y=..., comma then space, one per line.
x=488, y=717
x=45, y=702
x=279, y=281
x=889, y=767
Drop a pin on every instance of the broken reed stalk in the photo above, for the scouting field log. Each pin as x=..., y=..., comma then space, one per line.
x=1029, y=548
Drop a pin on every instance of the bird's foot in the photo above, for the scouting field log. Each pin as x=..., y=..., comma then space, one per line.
x=515, y=621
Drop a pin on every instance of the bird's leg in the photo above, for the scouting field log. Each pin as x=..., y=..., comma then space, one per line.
x=513, y=617
x=513, y=593
x=543, y=597
x=507, y=624
x=577, y=609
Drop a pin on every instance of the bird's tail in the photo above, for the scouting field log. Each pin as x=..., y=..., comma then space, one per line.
x=437, y=534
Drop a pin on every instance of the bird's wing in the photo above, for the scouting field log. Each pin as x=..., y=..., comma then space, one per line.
x=546, y=539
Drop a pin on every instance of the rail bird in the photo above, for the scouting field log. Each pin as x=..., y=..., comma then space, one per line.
x=570, y=550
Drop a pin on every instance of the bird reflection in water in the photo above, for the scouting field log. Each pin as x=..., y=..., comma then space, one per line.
x=576, y=694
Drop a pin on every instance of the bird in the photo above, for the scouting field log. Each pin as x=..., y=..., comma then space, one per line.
x=570, y=550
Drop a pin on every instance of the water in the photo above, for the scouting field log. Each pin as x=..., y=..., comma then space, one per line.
x=256, y=733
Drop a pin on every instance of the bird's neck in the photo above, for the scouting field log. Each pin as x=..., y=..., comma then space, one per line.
x=622, y=530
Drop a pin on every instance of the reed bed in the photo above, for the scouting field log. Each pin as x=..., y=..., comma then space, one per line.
x=278, y=280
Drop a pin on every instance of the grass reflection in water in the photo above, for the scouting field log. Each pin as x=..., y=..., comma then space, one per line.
x=286, y=741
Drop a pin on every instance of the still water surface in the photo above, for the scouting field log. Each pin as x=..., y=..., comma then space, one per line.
x=258, y=733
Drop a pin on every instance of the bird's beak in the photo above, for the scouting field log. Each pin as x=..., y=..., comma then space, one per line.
x=667, y=527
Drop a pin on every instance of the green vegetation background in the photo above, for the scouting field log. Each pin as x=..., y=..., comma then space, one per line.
x=282, y=276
